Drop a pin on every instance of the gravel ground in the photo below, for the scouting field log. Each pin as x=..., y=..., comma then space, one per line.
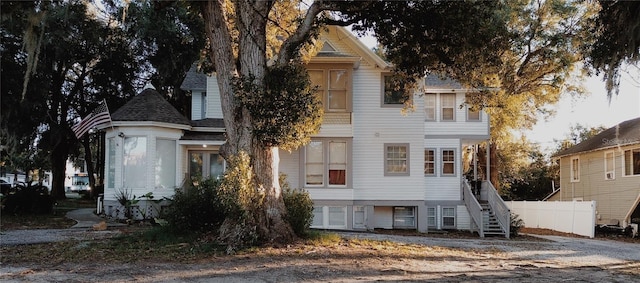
x=426, y=259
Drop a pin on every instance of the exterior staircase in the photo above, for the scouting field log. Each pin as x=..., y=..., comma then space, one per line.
x=490, y=221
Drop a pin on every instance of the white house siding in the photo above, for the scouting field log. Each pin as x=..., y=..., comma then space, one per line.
x=459, y=127
x=614, y=198
x=196, y=105
x=214, y=106
x=443, y=187
x=290, y=165
x=383, y=217
x=463, y=219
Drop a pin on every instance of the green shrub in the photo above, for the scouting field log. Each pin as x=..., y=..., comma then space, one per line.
x=197, y=208
x=299, y=207
x=516, y=224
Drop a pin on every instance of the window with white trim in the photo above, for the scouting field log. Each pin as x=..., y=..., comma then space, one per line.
x=448, y=107
x=609, y=166
x=448, y=217
x=448, y=162
x=396, y=159
x=473, y=114
x=575, y=169
x=134, y=165
x=326, y=163
x=111, y=165
x=165, y=164
x=430, y=106
x=404, y=217
x=318, y=218
x=429, y=162
x=632, y=162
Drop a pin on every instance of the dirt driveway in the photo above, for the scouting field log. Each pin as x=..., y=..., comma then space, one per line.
x=357, y=259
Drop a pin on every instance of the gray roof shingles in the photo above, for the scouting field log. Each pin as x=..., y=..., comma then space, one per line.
x=149, y=106
x=194, y=80
x=627, y=132
x=435, y=82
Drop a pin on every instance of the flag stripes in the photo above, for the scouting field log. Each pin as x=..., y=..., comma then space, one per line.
x=96, y=117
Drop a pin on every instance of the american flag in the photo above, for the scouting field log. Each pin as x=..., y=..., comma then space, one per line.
x=98, y=116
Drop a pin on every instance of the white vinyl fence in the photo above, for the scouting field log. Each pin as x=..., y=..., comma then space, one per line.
x=577, y=217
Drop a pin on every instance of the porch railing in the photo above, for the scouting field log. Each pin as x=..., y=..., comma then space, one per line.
x=474, y=207
x=500, y=209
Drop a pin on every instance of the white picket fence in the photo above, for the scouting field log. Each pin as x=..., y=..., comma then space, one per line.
x=577, y=217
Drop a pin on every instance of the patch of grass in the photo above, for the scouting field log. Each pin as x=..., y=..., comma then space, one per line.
x=55, y=220
x=153, y=244
x=322, y=238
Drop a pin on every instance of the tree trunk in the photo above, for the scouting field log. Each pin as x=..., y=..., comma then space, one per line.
x=58, y=166
x=251, y=23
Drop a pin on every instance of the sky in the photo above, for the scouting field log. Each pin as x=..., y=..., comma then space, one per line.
x=592, y=110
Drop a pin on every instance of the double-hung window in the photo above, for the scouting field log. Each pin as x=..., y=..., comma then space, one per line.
x=448, y=162
x=448, y=107
x=396, y=159
x=429, y=162
x=609, y=168
x=448, y=217
x=430, y=106
x=575, y=169
x=333, y=86
x=632, y=162
x=326, y=163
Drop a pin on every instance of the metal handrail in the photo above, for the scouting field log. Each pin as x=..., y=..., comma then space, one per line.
x=499, y=207
x=474, y=207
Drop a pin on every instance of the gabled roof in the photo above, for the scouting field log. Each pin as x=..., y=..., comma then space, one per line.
x=625, y=133
x=194, y=80
x=149, y=106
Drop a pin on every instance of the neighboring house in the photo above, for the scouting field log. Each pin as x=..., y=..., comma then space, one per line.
x=604, y=168
x=372, y=165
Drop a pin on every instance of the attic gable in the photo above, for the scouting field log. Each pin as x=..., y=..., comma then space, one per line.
x=340, y=45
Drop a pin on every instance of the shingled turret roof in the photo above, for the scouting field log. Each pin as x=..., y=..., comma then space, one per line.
x=149, y=106
x=625, y=133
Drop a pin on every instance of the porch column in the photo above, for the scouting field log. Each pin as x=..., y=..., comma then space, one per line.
x=488, y=175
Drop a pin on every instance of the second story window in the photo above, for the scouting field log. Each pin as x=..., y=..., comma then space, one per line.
x=448, y=106
x=430, y=106
x=333, y=86
x=393, y=91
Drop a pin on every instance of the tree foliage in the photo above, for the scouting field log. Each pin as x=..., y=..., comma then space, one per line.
x=617, y=31
x=285, y=112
